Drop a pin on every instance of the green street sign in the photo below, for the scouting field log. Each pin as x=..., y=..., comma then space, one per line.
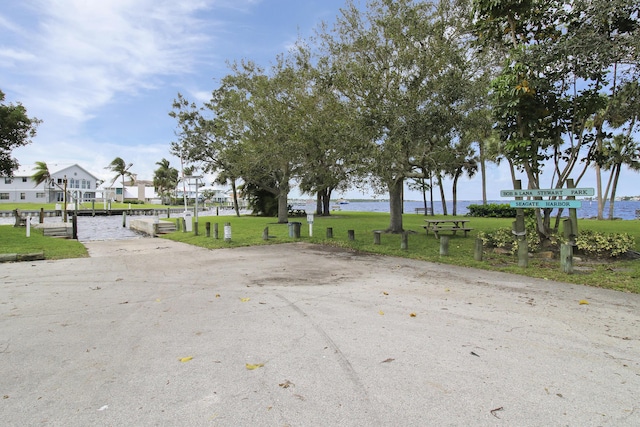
x=554, y=204
x=551, y=192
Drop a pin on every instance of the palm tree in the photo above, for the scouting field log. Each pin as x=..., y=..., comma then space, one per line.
x=121, y=168
x=41, y=174
x=621, y=151
x=463, y=160
x=165, y=178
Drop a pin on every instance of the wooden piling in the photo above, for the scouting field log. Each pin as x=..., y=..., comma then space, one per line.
x=376, y=237
x=477, y=250
x=566, y=258
x=329, y=233
x=351, y=234
x=444, y=245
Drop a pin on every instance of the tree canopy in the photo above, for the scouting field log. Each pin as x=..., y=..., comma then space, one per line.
x=16, y=130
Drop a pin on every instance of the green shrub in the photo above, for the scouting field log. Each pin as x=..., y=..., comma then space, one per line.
x=604, y=245
x=505, y=238
x=492, y=210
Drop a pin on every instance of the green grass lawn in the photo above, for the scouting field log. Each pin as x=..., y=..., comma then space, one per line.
x=14, y=240
x=247, y=231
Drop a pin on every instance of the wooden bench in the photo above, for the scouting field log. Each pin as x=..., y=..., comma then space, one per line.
x=422, y=211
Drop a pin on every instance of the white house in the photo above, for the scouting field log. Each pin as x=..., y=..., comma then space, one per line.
x=138, y=190
x=79, y=184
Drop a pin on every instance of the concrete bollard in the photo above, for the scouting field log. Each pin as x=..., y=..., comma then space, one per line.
x=207, y=228
x=444, y=245
x=351, y=234
x=265, y=233
x=477, y=250
x=376, y=237
x=296, y=229
x=329, y=233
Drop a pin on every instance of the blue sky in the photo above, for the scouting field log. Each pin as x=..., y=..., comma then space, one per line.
x=102, y=74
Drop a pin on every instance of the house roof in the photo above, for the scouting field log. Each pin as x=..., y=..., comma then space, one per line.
x=54, y=169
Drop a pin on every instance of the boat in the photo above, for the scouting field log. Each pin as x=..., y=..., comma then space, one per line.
x=343, y=202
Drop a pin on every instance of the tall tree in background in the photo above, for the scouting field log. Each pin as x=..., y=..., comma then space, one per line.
x=121, y=168
x=165, y=179
x=16, y=130
x=401, y=66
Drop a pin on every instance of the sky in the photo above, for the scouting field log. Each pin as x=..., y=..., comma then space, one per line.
x=102, y=75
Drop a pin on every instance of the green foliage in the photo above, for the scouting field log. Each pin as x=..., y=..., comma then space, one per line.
x=16, y=130
x=492, y=210
x=504, y=238
x=604, y=245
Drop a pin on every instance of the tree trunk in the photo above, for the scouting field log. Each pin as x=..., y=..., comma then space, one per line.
x=483, y=172
x=444, y=202
x=326, y=203
x=600, y=196
x=616, y=171
x=395, y=206
x=454, y=190
x=319, y=202
x=283, y=207
x=235, y=197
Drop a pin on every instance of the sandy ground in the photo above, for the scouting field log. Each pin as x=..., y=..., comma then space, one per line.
x=149, y=332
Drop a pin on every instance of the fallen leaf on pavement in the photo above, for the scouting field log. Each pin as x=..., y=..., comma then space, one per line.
x=583, y=302
x=244, y=299
x=251, y=367
x=185, y=359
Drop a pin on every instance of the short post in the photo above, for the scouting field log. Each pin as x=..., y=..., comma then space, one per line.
x=217, y=213
x=41, y=215
x=227, y=231
x=74, y=226
x=207, y=227
x=376, y=237
x=477, y=250
x=178, y=224
x=265, y=233
x=444, y=245
x=28, y=226
x=184, y=225
x=566, y=258
x=296, y=229
x=93, y=207
x=195, y=228
x=329, y=233
x=124, y=219
x=567, y=229
x=168, y=212
x=523, y=253
x=215, y=231
x=351, y=234
x=404, y=242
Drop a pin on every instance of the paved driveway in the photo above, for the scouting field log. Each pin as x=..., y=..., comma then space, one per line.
x=149, y=332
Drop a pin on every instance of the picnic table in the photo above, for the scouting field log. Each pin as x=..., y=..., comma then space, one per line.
x=454, y=225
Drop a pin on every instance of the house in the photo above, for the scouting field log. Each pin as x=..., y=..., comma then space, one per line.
x=78, y=182
x=141, y=190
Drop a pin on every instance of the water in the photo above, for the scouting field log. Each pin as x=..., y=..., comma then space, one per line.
x=110, y=227
x=589, y=209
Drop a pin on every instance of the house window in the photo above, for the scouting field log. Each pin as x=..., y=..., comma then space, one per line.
x=24, y=179
x=8, y=180
x=60, y=181
x=40, y=195
x=23, y=196
x=4, y=196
